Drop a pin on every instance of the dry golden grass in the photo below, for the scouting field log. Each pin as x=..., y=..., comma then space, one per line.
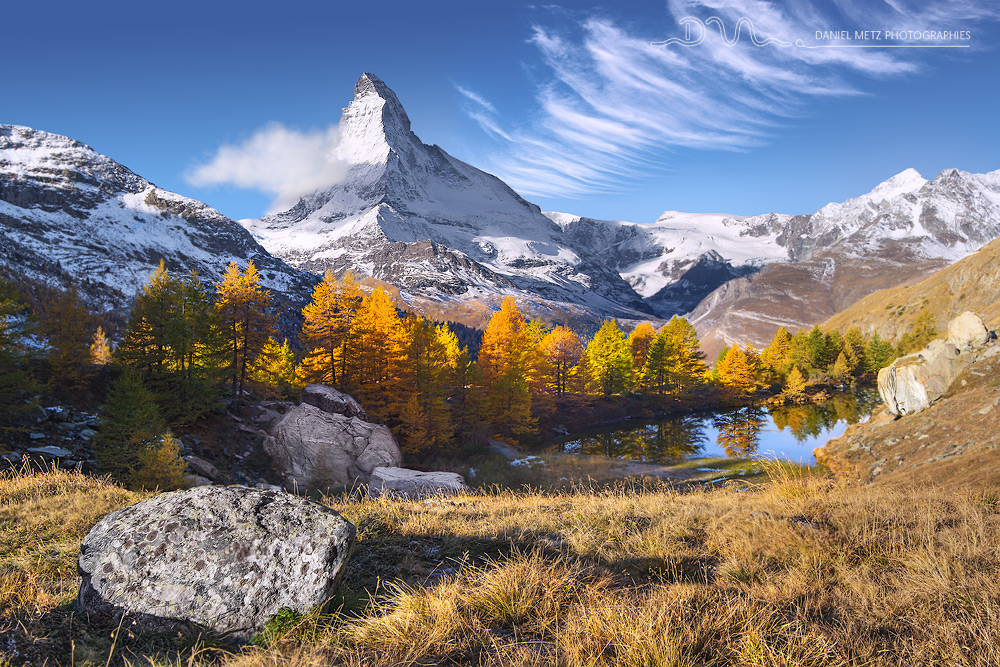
x=799, y=570
x=43, y=517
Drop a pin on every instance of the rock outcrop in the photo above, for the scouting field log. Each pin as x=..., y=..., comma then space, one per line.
x=330, y=400
x=226, y=559
x=912, y=383
x=313, y=448
x=414, y=483
x=953, y=442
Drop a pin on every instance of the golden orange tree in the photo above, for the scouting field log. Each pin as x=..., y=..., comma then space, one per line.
x=244, y=308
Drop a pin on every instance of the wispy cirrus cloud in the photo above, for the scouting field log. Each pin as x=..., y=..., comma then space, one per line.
x=614, y=105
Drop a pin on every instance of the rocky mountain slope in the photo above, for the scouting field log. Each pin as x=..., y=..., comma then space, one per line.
x=69, y=213
x=972, y=283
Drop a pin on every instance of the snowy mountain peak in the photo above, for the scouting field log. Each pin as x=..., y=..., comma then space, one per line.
x=373, y=124
x=908, y=180
x=45, y=160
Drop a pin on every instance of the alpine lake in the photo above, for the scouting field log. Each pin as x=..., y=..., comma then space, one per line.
x=788, y=433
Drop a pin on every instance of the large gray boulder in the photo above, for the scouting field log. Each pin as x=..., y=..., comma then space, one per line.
x=226, y=559
x=330, y=400
x=314, y=449
x=912, y=383
x=414, y=483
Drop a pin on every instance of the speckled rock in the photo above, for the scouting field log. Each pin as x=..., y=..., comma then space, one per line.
x=314, y=449
x=225, y=559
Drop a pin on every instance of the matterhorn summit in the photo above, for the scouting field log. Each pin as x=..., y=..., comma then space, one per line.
x=437, y=228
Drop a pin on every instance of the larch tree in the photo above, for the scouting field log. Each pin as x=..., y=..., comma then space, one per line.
x=274, y=368
x=66, y=323
x=737, y=372
x=609, y=360
x=173, y=339
x=561, y=351
x=426, y=369
x=639, y=340
x=245, y=315
x=326, y=330
x=377, y=333
x=130, y=423
x=854, y=345
x=795, y=383
x=689, y=365
x=160, y=466
x=662, y=362
x=100, y=348
x=776, y=357
x=506, y=358
x=879, y=353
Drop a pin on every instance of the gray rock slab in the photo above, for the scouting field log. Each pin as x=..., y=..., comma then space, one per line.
x=226, y=559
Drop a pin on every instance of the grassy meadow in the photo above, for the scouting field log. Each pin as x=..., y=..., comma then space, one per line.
x=789, y=569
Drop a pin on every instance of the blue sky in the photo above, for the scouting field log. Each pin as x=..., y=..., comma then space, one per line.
x=571, y=103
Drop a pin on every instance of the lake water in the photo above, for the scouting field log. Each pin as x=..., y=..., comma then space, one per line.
x=789, y=433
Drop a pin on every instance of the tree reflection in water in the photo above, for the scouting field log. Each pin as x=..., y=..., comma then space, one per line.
x=739, y=431
x=812, y=420
x=670, y=441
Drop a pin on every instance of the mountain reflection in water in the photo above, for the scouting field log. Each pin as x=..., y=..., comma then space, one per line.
x=789, y=432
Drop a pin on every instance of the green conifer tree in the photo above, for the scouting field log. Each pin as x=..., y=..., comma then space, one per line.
x=130, y=423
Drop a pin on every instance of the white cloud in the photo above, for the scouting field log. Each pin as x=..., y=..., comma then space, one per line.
x=612, y=105
x=278, y=160
x=475, y=97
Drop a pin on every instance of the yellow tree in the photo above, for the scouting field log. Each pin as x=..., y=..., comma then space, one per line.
x=639, y=341
x=506, y=358
x=737, y=372
x=246, y=319
x=326, y=328
x=100, y=349
x=561, y=350
x=274, y=367
x=378, y=336
x=609, y=360
x=426, y=369
x=777, y=356
x=795, y=383
x=662, y=362
x=688, y=363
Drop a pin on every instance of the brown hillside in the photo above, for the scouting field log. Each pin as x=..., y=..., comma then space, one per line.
x=798, y=295
x=972, y=283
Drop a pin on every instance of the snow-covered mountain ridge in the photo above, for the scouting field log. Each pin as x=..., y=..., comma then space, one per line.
x=440, y=229
x=451, y=239
x=69, y=211
x=434, y=226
